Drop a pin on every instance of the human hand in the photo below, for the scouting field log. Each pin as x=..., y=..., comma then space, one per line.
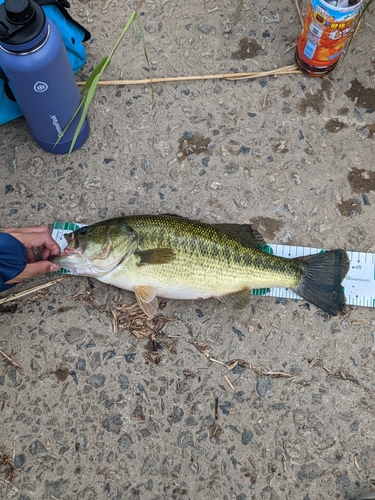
x=35, y=237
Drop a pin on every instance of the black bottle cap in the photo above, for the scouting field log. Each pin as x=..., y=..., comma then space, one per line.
x=19, y=11
x=20, y=21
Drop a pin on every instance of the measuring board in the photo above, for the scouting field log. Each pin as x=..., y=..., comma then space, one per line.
x=359, y=283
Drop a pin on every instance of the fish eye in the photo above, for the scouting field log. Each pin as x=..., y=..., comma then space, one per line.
x=84, y=230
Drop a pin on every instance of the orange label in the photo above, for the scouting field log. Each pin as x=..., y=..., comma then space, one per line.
x=325, y=32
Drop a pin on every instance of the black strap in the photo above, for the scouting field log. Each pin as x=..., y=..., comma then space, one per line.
x=62, y=5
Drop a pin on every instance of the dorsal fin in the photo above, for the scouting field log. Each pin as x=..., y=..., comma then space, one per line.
x=243, y=232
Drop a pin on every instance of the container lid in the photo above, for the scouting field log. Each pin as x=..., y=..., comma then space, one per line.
x=21, y=21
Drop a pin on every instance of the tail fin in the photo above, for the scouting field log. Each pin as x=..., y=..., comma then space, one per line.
x=321, y=279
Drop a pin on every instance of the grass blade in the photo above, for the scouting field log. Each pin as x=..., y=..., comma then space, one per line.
x=145, y=51
x=98, y=69
x=69, y=123
x=87, y=102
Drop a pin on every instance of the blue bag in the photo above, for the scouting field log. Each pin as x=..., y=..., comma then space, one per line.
x=73, y=34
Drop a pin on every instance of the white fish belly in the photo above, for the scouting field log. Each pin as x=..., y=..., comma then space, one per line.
x=182, y=291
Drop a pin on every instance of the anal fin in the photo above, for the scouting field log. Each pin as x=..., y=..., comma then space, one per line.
x=147, y=301
x=237, y=300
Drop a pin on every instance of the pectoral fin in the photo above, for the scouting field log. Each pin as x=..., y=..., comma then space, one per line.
x=155, y=256
x=147, y=301
x=237, y=300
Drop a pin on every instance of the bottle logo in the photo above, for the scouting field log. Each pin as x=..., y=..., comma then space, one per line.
x=40, y=87
x=56, y=124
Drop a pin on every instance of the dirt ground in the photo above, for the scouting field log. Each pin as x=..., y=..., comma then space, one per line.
x=273, y=402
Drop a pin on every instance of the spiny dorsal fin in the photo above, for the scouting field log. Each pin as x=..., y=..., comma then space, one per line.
x=237, y=300
x=172, y=215
x=155, y=256
x=147, y=301
x=243, y=232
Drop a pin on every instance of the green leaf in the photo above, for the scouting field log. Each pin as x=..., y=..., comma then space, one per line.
x=87, y=101
x=69, y=123
x=145, y=50
x=95, y=71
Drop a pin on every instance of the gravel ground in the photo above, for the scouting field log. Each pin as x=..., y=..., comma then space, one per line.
x=273, y=402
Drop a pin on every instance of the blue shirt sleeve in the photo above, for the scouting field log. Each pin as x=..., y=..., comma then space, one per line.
x=12, y=259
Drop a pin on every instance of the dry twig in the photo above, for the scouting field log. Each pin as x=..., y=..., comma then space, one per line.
x=299, y=10
x=285, y=70
x=34, y=289
x=132, y=318
x=338, y=374
x=6, y=461
x=10, y=360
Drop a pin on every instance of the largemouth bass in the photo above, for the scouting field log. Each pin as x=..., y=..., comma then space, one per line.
x=174, y=257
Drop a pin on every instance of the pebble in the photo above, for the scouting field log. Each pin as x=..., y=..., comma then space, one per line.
x=112, y=423
x=74, y=335
x=309, y=472
x=92, y=182
x=185, y=439
x=97, y=380
x=264, y=384
x=247, y=437
x=147, y=166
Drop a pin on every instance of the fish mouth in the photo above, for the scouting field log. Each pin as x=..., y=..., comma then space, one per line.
x=73, y=248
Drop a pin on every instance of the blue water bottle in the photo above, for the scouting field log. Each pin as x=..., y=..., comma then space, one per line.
x=37, y=74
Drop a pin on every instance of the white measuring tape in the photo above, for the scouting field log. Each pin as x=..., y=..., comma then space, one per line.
x=359, y=283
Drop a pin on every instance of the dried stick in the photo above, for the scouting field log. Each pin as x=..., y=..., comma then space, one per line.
x=10, y=360
x=285, y=70
x=298, y=7
x=16, y=296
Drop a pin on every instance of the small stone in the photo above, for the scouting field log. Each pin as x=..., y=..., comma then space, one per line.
x=231, y=167
x=97, y=380
x=34, y=365
x=343, y=481
x=185, y=439
x=264, y=384
x=246, y=437
x=57, y=488
x=124, y=443
x=124, y=382
x=80, y=443
x=354, y=426
x=92, y=182
x=149, y=462
x=141, y=391
x=37, y=447
x=365, y=352
x=112, y=423
x=309, y=472
x=216, y=185
x=204, y=29
x=19, y=460
x=81, y=364
x=226, y=407
x=147, y=166
x=74, y=335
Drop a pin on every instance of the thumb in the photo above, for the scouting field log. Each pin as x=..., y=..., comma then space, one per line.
x=35, y=269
